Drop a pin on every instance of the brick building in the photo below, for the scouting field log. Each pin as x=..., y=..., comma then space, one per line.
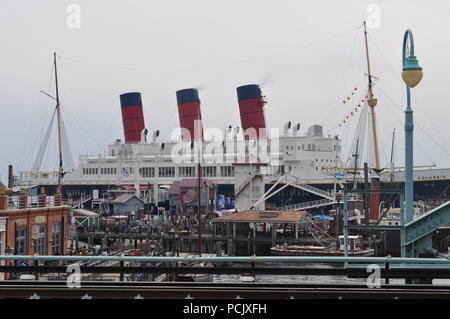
x=41, y=230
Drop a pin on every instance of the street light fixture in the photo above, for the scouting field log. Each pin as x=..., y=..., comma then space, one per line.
x=412, y=75
x=412, y=72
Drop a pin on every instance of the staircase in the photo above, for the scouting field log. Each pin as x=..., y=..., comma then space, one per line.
x=418, y=233
x=307, y=205
x=241, y=187
x=314, y=190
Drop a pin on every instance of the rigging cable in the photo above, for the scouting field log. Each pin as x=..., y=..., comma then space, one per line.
x=40, y=155
x=420, y=127
x=414, y=98
x=341, y=90
x=219, y=65
x=400, y=122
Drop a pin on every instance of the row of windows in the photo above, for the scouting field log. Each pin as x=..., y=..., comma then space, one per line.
x=108, y=170
x=90, y=171
x=427, y=178
x=188, y=171
x=310, y=147
x=166, y=171
x=209, y=171
x=40, y=243
x=146, y=172
x=227, y=171
x=326, y=160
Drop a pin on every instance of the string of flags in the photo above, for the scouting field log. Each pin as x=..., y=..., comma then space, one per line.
x=348, y=100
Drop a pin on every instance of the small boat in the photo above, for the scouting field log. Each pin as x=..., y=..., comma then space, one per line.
x=196, y=277
x=354, y=243
x=247, y=278
x=27, y=277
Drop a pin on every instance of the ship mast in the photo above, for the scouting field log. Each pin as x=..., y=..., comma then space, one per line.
x=372, y=103
x=392, y=156
x=58, y=113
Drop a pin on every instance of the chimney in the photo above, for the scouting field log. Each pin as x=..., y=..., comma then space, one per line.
x=10, y=177
x=251, y=108
x=42, y=198
x=132, y=116
x=3, y=200
x=189, y=113
x=58, y=197
x=23, y=199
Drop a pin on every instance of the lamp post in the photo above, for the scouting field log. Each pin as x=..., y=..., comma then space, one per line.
x=412, y=74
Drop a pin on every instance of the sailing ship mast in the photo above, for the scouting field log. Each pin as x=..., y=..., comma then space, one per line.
x=372, y=103
x=58, y=113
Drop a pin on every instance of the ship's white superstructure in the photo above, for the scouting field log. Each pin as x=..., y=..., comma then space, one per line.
x=306, y=156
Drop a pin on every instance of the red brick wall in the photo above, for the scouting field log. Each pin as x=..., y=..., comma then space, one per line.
x=27, y=218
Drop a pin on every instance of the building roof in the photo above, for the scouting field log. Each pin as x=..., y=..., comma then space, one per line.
x=132, y=188
x=263, y=216
x=187, y=183
x=124, y=198
x=84, y=212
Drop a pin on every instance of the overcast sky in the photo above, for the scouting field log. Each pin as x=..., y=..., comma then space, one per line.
x=307, y=56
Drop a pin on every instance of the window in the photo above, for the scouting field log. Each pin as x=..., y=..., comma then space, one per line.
x=147, y=171
x=21, y=239
x=227, y=171
x=166, y=171
x=209, y=171
x=56, y=239
x=187, y=171
x=40, y=242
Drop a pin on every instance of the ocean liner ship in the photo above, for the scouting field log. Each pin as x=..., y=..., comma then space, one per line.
x=270, y=168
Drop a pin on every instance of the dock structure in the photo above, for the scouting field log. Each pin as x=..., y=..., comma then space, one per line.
x=273, y=221
x=241, y=233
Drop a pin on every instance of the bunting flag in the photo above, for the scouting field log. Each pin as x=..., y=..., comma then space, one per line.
x=355, y=109
x=348, y=98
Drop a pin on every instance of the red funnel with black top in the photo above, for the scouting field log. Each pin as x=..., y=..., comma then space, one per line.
x=190, y=115
x=132, y=116
x=251, y=108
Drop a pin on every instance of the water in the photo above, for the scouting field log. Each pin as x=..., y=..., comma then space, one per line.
x=310, y=279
